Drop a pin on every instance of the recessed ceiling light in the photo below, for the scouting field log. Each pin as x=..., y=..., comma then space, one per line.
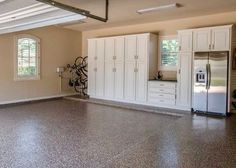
x=158, y=8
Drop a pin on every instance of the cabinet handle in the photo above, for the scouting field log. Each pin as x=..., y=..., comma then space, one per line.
x=114, y=69
x=209, y=46
x=95, y=69
x=95, y=58
x=136, y=70
x=136, y=57
x=114, y=57
x=179, y=48
x=213, y=46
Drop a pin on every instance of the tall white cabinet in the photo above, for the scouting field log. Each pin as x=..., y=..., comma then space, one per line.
x=184, y=74
x=126, y=62
x=96, y=68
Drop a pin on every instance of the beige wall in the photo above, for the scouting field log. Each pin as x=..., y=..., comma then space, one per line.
x=163, y=28
x=58, y=47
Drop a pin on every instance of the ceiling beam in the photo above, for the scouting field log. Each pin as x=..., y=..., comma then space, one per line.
x=78, y=10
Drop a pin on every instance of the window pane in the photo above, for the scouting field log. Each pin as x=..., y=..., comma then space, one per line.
x=27, y=57
x=169, y=49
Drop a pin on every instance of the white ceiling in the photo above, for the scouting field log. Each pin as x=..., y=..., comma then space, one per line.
x=123, y=12
x=17, y=15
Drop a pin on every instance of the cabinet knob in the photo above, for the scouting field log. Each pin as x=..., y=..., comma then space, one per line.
x=95, y=58
x=136, y=57
x=114, y=57
x=114, y=69
x=136, y=70
x=95, y=69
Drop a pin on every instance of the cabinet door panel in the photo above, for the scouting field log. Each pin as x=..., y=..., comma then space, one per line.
x=91, y=67
x=100, y=68
x=120, y=49
x=119, y=80
x=141, y=82
x=202, y=40
x=185, y=41
x=184, y=80
x=109, y=80
x=109, y=49
x=130, y=47
x=130, y=81
x=142, y=47
x=221, y=39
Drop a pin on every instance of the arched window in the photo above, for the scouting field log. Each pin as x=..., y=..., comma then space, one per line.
x=27, y=59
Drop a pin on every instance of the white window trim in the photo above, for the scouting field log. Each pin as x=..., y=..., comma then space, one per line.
x=25, y=78
x=160, y=67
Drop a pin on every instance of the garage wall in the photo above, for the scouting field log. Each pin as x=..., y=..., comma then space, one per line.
x=58, y=47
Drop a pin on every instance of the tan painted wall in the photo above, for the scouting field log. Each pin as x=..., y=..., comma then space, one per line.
x=163, y=28
x=58, y=47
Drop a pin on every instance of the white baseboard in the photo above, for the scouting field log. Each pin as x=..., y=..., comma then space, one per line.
x=36, y=99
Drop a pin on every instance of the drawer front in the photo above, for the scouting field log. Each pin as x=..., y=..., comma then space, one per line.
x=161, y=90
x=161, y=96
x=161, y=101
x=167, y=85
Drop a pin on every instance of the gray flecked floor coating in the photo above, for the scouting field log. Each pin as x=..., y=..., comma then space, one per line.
x=70, y=134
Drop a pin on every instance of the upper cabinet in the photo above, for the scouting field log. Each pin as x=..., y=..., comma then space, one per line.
x=185, y=41
x=212, y=39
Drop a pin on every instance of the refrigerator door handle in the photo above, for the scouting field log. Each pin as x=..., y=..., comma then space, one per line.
x=209, y=76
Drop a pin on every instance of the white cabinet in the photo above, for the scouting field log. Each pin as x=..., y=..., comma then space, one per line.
x=114, y=67
x=185, y=41
x=96, y=67
x=212, y=39
x=162, y=93
x=221, y=39
x=184, y=80
x=119, y=67
x=136, y=56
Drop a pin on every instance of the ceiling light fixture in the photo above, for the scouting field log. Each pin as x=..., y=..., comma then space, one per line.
x=158, y=8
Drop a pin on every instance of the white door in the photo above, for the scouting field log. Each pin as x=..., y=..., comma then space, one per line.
x=91, y=67
x=130, y=80
x=184, y=80
x=130, y=66
x=109, y=67
x=185, y=41
x=141, y=67
x=221, y=39
x=100, y=68
x=119, y=67
x=202, y=39
x=141, y=82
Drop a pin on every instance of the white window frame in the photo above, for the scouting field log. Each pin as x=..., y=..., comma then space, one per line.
x=38, y=56
x=165, y=68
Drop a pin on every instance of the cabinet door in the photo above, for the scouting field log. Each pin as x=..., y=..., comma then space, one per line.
x=119, y=80
x=185, y=41
x=109, y=80
x=119, y=67
x=141, y=82
x=91, y=67
x=202, y=39
x=130, y=80
x=100, y=68
x=130, y=47
x=221, y=39
x=142, y=48
x=184, y=80
x=109, y=67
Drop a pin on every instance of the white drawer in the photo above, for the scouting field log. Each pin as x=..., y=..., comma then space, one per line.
x=162, y=90
x=161, y=96
x=161, y=101
x=156, y=84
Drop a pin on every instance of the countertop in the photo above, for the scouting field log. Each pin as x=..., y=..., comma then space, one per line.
x=164, y=80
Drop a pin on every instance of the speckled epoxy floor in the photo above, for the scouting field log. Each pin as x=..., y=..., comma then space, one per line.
x=70, y=134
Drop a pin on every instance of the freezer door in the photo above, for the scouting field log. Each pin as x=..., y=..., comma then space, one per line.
x=200, y=82
x=217, y=90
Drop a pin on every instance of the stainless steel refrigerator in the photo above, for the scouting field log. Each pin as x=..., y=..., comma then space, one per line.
x=210, y=81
